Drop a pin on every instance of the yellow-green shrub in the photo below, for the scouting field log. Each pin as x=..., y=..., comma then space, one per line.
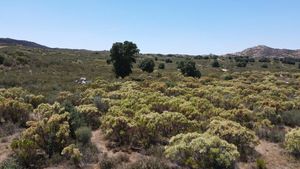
x=201, y=151
x=292, y=141
x=234, y=133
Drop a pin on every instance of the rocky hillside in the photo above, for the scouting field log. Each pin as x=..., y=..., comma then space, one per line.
x=265, y=51
x=13, y=42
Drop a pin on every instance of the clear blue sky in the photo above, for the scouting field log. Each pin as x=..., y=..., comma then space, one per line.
x=157, y=26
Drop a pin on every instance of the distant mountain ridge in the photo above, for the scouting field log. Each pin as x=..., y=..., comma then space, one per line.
x=265, y=51
x=14, y=42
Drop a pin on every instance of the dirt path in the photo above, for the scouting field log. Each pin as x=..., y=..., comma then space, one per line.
x=99, y=140
x=5, y=150
x=275, y=157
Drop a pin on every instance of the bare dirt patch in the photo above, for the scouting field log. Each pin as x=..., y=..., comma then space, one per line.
x=5, y=150
x=275, y=157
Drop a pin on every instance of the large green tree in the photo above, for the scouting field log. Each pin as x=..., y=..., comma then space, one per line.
x=122, y=56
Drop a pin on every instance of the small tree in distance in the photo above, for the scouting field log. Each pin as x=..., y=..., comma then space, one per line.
x=188, y=68
x=122, y=55
x=147, y=65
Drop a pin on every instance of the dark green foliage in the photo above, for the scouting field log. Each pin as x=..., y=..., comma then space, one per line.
x=215, y=63
x=188, y=68
x=161, y=66
x=241, y=64
x=291, y=118
x=10, y=164
x=1, y=59
x=83, y=135
x=264, y=60
x=288, y=60
x=25, y=151
x=228, y=77
x=22, y=60
x=8, y=62
x=264, y=65
x=273, y=134
x=76, y=120
x=168, y=60
x=156, y=59
x=122, y=57
x=147, y=65
x=101, y=105
x=261, y=164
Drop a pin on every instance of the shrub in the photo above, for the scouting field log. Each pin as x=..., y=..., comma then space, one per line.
x=201, y=151
x=149, y=163
x=91, y=115
x=241, y=64
x=26, y=152
x=261, y=164
x=107, y=163
x=10, y=164
x=161, y=66
x=14, y=111
x=271, y=133
x=264, y=66
x=264, y=60
x=292, y=141
x=168, y=60
x=188, y=68
x=291, y=118
x=147, y=65
x=234, y=133
x=83, y=135
x=8, y=62
x=228, y=77
x=215, y=63
x=100, y=104
x=72, y=153
x=1, y=59
x=51, y=134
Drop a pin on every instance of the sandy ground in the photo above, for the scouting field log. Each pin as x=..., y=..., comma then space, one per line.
x=5, y=150
x=275, y=157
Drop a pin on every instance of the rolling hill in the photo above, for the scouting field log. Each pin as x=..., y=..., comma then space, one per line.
x=265, y=51
x=14, y=42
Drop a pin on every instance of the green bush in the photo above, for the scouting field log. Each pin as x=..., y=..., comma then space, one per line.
x=241, y=64
x=10, y=164
x=292, y=141
x=8, y=62
x=161, y=66
x=228, y=77
x=168, y=60
x=83, y=135
x=72, y=153
x=261, y=164
x=1, y=59
x=215, y=63
x=264, y=65
x=26, y=152
x=188, y=68
x=147, y=65
x=291, y=118
x=14, y=111
x=91, y=115
x=234, y=133
x=201, y=151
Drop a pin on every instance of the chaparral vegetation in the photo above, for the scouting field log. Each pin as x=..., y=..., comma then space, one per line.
x=125, y=110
